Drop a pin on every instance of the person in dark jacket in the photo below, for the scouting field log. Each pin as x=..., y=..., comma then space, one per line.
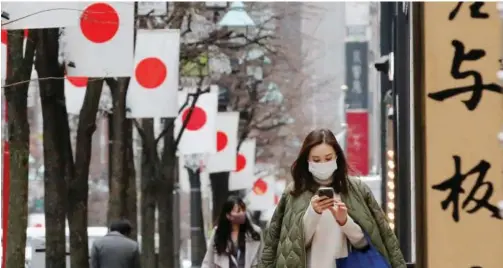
x=116, y=249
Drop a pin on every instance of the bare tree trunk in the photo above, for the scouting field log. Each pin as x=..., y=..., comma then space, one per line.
x=130, y=180
x=52, y=96
x=169, y=256
x=78, y=187
x=219, y=191
x=148, y=194
x=117, y=192
x=19, y=69
x=165, y=200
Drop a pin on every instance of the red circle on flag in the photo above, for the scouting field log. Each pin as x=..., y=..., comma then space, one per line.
x=77, y=81
x=4, y=37
x=197, y=118
x=151, y=73
x=260, y=187
x=240, y=162
x=99, y=22
x=221, y=140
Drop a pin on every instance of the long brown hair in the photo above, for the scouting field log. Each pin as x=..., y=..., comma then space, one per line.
x=302, y=178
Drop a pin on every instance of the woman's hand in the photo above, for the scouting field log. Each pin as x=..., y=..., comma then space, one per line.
x=319, y=204
x=340, y=212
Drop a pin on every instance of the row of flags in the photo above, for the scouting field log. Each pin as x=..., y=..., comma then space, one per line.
x=98, y=40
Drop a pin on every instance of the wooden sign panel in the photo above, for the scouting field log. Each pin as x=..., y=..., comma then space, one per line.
x=463, y=115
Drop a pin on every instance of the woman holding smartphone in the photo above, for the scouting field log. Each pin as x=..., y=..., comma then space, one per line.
x=325, y=212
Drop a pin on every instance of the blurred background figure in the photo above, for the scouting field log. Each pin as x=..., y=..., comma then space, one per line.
x=236, y=241
x=116, y=249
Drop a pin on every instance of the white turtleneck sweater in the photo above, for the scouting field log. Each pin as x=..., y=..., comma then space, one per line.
x=326, y=240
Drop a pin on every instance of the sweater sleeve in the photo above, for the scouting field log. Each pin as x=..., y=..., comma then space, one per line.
x=310, y=220
x=354, y=233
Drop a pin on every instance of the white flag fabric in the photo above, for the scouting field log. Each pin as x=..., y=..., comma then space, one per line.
x=102, y=44
x=38, y=15
x=261, y=197
x=199, y=137
x=227, y=141
x=153, y=89
x=244, y=176
x=75, y=91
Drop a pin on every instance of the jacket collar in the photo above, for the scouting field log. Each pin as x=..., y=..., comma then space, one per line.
x=114, y=233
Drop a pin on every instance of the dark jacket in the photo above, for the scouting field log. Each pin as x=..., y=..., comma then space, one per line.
x=115, y=250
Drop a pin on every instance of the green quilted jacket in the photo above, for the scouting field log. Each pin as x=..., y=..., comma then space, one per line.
x=284, y=238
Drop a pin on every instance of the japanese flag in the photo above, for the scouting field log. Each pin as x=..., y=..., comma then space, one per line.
x=199, y=137
x=261, y=197
x=243, y=177
x=227, y=141
x=75, y=92
x=153, y=89
x=102, y=43
x=38, y=15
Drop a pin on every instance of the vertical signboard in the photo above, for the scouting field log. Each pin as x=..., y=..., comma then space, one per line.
x=357, y=75
x=463, y=112
x=357, y=142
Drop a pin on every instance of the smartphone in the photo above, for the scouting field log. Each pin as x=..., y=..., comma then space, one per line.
x=326, y=191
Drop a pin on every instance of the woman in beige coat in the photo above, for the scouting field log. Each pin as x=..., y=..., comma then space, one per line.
x=236, y=241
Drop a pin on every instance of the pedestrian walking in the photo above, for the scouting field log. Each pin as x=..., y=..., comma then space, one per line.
x=325, y=216
x=236, y=241
x=116, y=249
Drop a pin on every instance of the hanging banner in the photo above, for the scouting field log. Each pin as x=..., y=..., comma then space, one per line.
x=262, y=194
x=227, y=143
x=357, y=75
x=200, y=134
x=357, y=142
x=462, y=117
x=243, y=176
x=101, y=45
x=153, y=89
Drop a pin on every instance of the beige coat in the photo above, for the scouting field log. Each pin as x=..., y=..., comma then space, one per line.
x=252, y=253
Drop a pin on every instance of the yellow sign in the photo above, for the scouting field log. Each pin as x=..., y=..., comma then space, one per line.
x=463, y=115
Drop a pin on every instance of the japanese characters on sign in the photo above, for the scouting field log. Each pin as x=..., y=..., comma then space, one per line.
x=463, y=113
x=357, y=75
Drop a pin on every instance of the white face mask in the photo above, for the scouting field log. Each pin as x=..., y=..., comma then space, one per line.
x=323, y=171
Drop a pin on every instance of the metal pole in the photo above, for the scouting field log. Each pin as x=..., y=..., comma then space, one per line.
x=401, y=88
x=197, y=236
x=176, y=220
